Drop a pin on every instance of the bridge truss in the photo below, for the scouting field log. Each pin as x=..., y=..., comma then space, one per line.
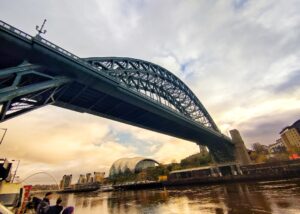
x=156, y=83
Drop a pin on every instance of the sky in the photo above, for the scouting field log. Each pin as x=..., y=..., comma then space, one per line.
x=240, y=58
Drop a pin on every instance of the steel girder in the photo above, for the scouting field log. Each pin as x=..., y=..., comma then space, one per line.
x=25, y=88
x=157, y=83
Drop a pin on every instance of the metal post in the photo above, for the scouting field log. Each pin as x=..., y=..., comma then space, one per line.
x=40, y=30
x=15, y=170
x=5, y=130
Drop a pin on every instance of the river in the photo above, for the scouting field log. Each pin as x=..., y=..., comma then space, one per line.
x=282, y=197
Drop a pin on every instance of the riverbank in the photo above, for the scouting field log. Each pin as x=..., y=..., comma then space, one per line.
x=229, y=173
x=206, y=175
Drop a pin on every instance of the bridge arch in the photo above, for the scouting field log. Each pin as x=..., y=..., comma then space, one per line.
x=41, y=172
x=157, y=83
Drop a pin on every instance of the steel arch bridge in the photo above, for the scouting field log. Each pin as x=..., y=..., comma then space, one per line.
x=156, y=83
x=35, y=72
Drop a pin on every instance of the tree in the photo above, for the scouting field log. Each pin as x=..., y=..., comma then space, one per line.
x=196, y=160
x=259, y=148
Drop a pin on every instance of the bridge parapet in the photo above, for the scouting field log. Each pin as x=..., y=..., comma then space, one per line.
x=15, y=30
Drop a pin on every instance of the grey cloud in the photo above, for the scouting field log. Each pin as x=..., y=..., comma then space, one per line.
x=239, y=4
x=290, y=84
x=266, y=129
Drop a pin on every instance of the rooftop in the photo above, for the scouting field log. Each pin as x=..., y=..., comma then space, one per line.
x=294, y=125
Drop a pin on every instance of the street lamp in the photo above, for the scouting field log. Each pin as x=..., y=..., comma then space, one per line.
x=15, y=170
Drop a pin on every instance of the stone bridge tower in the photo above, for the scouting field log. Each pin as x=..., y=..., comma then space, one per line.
x=241, y=154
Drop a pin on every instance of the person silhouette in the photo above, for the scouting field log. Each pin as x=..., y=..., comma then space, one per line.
x=68, y=210
x=57, y=208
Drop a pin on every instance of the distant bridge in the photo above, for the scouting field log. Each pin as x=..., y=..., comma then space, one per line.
x=35, y=72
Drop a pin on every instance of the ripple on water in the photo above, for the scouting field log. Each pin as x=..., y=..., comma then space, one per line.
x=280, y=197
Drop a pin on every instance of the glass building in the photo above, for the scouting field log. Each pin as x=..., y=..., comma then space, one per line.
x=134, y=165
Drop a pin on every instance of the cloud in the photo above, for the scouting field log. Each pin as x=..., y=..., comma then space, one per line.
x=183, y=149
x=265, y=129
x=239, y=4
x=57, y=144
x=291, y=83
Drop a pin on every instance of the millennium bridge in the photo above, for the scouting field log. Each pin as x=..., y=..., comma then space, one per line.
x=35, y=72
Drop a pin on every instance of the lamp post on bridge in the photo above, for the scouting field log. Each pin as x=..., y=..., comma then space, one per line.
x=40, y=30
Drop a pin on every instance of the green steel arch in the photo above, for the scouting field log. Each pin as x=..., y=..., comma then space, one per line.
x=157, y=83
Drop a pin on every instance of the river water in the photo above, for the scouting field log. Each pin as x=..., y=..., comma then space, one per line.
x=262, y=197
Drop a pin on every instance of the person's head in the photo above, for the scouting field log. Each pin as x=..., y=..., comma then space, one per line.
x=48, y=195
x=68, y=210
x=58, y=201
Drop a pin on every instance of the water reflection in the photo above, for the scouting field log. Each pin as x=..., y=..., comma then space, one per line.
x=241, y=198
x=265, y=197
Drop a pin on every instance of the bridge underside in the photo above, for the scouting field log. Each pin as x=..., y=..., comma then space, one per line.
x=27, y=87
x=32, y=76
x=79, y=98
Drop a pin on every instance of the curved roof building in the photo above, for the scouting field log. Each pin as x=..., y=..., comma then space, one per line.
x=134, y=165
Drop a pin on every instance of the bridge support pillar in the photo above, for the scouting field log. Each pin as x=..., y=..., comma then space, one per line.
x=222, y=153
x=240, y=151
x=203, y=150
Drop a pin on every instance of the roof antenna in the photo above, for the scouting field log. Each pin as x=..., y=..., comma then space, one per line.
x=40, y=30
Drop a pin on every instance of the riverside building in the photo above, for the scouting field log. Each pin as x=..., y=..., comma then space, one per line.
x=290, y=135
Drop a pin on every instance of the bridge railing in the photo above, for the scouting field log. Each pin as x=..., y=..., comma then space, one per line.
x=44, y=41
x=15, y=30
x=73, y=57
x=61, y=50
